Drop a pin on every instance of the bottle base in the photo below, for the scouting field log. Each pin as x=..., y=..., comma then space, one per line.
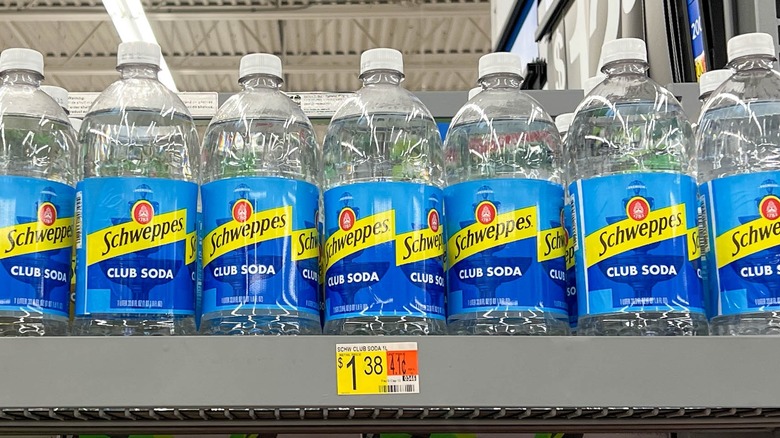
x=748, y=324
x=134, y=325
x=386, y=325
x=27, y=324
x=271, y=323
x=644, y=324
x=523, y=323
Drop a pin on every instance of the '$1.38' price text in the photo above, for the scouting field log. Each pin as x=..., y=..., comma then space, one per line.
x=377, y=368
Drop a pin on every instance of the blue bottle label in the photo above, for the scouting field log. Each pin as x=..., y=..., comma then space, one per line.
x=137, y=246
x=571, y=275
x=743, y=215
x=639, y=244
x=384, y=251
x=36, y=238
x=505, y=246
x=261, y=245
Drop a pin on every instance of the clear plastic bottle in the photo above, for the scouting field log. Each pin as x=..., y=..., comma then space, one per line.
x=562, y=122
x=383, y=251
x=632, y=162
x=504, y=204
x=739, y=171
x=136, y=242
x=60, y=95
x=260, y=153
x=37, y=175
x=708, y=83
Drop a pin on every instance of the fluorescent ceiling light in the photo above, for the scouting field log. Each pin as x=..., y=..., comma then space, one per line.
x=131, y=24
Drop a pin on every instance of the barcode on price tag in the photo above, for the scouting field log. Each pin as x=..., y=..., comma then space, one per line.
x=381, y=368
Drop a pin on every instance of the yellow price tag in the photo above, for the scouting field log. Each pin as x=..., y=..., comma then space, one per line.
x=381, y=368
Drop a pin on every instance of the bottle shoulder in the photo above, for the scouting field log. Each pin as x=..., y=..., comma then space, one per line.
x=508, y=104
x=629, y=95
x=261, y=104
x=30, y=101
x=387, y=99
x=141, y=94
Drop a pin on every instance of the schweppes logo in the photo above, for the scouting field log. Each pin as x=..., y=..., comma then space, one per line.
x=247, y=228
x=46, y=233
x=754, y=235
x=642, y=226
x=144, y=230
x=491, y=230
x=355, y=234
x=423, y=244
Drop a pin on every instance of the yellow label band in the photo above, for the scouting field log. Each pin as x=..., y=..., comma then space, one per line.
x=570, y=253
x=259, y=227
x=505, y=228
x=132, y=236
x=416, y=246
x=35, y=237
x=192, y=247
x=629, y=234
x=551, y=244
x=364, y=233
x=694, y=251
x=305, y=244
x=747, y=239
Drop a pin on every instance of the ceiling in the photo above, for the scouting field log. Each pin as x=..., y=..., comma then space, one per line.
x=319, y=41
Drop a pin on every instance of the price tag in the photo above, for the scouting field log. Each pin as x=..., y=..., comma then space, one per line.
x=381, y=368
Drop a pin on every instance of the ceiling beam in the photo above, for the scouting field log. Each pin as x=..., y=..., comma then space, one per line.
x=212, y=13
x=297, y=64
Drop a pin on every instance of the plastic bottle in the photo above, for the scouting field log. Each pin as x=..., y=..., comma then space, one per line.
x=562, y=122
x=708, y=83
x=136, y=242
x=260, y=169
x=739, y=171
x=474, y=91
x=36, y=190
x=504, y=207
x=60, y=95
x=631, y=160
x=383, y=254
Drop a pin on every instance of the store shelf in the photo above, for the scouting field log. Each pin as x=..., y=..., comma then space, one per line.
x=197, y=384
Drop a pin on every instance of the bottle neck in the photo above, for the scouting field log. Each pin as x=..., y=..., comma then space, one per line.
x=753, y=62
x=138, y=71
x=625, y=67
x=501, y=80
x=260, y=81
x=381, y=77
x=21, y=77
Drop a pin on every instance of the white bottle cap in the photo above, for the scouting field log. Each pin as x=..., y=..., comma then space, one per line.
x=750, y=44
x=138, y=52
x=260, y=64
x=563, y=121
x=589, y=84
x=711, y=80
x=21, y=59
x=474, y=91
x=381, y=59
x=500, y=62
x=59, y=94
x=76, y=124
x=623, y=49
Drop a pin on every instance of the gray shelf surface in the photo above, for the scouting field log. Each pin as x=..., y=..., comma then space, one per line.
x=467, y=383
